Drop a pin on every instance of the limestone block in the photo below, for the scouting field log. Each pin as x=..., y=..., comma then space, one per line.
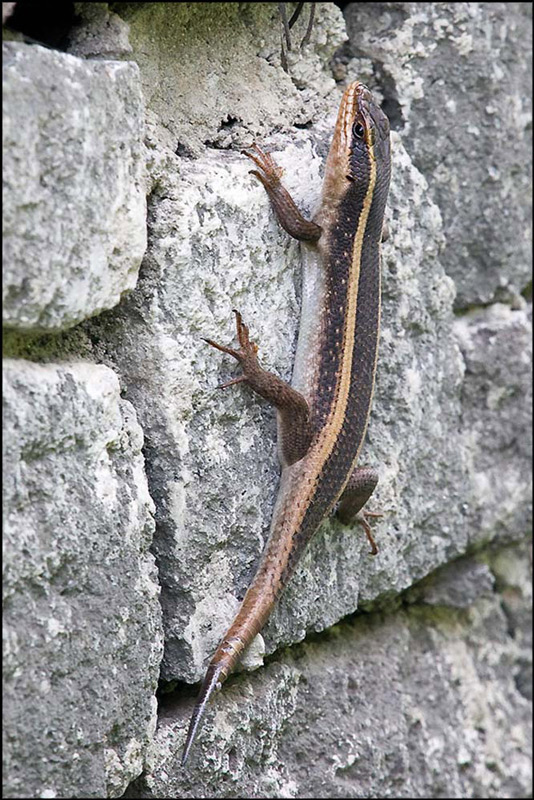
x=82, y=622
x=74, y=208
x=422, y=702
x=496, y=345
x=211, y=72
x=457, y=81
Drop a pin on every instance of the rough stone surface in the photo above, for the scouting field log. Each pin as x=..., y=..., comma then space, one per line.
x=99, y=33
x=422, y=702
x=456, y=585
x=496, y=344
x=74, y=209
x=461, y=95
x=210, y=535
x=212, y=71
x=82, y=628
x=429, y=699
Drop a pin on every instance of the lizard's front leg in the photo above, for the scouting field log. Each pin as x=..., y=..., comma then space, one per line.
x=294, y=413
x=287, y=213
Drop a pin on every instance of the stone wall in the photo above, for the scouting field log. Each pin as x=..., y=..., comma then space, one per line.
x=137, y=497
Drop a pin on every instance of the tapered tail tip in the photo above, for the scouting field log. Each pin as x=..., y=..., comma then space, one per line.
x=185, y=754
x=210, y=684
x=192, y=731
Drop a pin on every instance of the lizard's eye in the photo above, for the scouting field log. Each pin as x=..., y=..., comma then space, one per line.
x=358, y=130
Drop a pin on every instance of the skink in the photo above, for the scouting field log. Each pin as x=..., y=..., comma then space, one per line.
x=323, y=415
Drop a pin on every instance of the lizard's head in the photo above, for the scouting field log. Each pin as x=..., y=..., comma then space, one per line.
x=365, y=129
x=360, y=145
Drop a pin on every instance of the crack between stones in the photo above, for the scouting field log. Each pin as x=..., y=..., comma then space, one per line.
x=170, y=699
x=171, y=703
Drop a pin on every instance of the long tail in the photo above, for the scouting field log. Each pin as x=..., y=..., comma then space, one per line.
x=250, y=619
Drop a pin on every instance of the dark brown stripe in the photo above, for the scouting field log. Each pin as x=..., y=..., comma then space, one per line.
x=342, y=458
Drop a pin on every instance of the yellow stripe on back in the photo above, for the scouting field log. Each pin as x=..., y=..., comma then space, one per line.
x=322, y=449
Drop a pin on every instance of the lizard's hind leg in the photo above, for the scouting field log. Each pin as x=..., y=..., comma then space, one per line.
x=358, y=490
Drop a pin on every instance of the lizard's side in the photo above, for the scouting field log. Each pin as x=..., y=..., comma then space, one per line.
x=323, y=414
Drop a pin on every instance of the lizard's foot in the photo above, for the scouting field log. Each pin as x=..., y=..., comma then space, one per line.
x=361, y=517
x=270, y=172
x=247, y=354
x=289, y=216
x=358, y=490
x=294, y=413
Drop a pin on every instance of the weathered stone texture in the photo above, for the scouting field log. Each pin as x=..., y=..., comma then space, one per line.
x=429, y=699
x=82, y=636
x=421, y=702
x=74, y=209
x=170, y=376
x=211, y=71
x=457, y=79
x=496, y=345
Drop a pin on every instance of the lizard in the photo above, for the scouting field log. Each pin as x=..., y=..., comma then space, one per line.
x=322, y=415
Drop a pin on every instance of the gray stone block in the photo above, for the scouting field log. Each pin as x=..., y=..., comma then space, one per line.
x=457, y=585
x=211, y=73
x=74, y=209
x=82, y=628
x=421, y=702
x=496, y=345
x=429, y=700
x=211, y=456
x=457, y=79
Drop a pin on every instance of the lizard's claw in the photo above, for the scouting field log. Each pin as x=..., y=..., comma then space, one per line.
x=269, y=171
x=247, y=347
x=362, y=517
